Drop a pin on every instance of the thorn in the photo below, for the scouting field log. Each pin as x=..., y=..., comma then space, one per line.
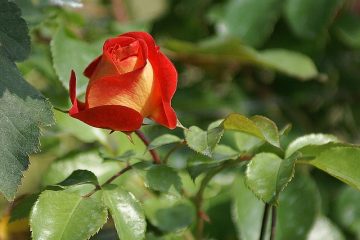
x=129, y=136
x=111, y=132
x=204, y=216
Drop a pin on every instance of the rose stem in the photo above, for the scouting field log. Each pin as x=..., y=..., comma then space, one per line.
x=155, y=156
x=273, y=223
x=264, y=221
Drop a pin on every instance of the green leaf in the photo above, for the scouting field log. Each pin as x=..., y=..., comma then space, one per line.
x=163, y=178
x=203, y=141
x=164, y=140
x=63, y=216
x=298, y=208
x=22, y=209
x=246, y=142
x=231, y=50
x=268, y=128
x=258, y=126
x=80, y=177
x=267, y=175
x=307, y=142
x=323, y=228
x=348, y=29
x=74, y=55
x=251, y=21
x=291, y=63
x=198, y=169
x=14, y=38
x=247, y=211
x=342, y=163
x=126, y=212
x=169, y=214
x=347, y=209
x=91, y=161
x=308, y=18
x=19, y=135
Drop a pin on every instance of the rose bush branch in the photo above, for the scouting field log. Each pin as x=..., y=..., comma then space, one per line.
x=110, y=180
x=154, y=155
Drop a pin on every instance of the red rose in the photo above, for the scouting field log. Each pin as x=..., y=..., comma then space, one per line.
x=131, y=80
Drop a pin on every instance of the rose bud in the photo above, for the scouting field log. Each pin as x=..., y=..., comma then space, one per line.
x=131, y=80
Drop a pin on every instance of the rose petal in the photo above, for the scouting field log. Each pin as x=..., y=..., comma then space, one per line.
x=72, y=89
x=90, y=69
x=118, y=118
x=132, y=90
x=165, y=81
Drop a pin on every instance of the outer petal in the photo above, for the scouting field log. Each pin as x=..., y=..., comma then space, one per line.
x=89, y=70
x=165, y=81
x=112, y=117
x=72, y=88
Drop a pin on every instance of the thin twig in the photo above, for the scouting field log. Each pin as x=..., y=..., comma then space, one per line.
x=155, y=156
x=264, y=222
x=110, y=180
x=273, y=223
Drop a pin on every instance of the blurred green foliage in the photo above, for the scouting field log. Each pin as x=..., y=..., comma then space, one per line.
x=294, y=61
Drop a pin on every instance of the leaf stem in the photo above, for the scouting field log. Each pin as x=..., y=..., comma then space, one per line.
x=273, y=222
x=110, y=180
x=264, y=222
x=198, y=199
x=155, y=156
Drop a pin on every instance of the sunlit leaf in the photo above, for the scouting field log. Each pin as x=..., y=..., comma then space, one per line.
x=126, y=212
x=62, y=216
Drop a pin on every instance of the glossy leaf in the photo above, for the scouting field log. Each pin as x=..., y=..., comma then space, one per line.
x=62, y=216
x=66, y=57
x=298, y=208
x=257, y=126
x=267, y=175
x=308, y=18
x=126, y=212
x=247, y=211
x=308, y=141
x=342, y=163
x=163, y=178
x=164, y=140
x=80, y=177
